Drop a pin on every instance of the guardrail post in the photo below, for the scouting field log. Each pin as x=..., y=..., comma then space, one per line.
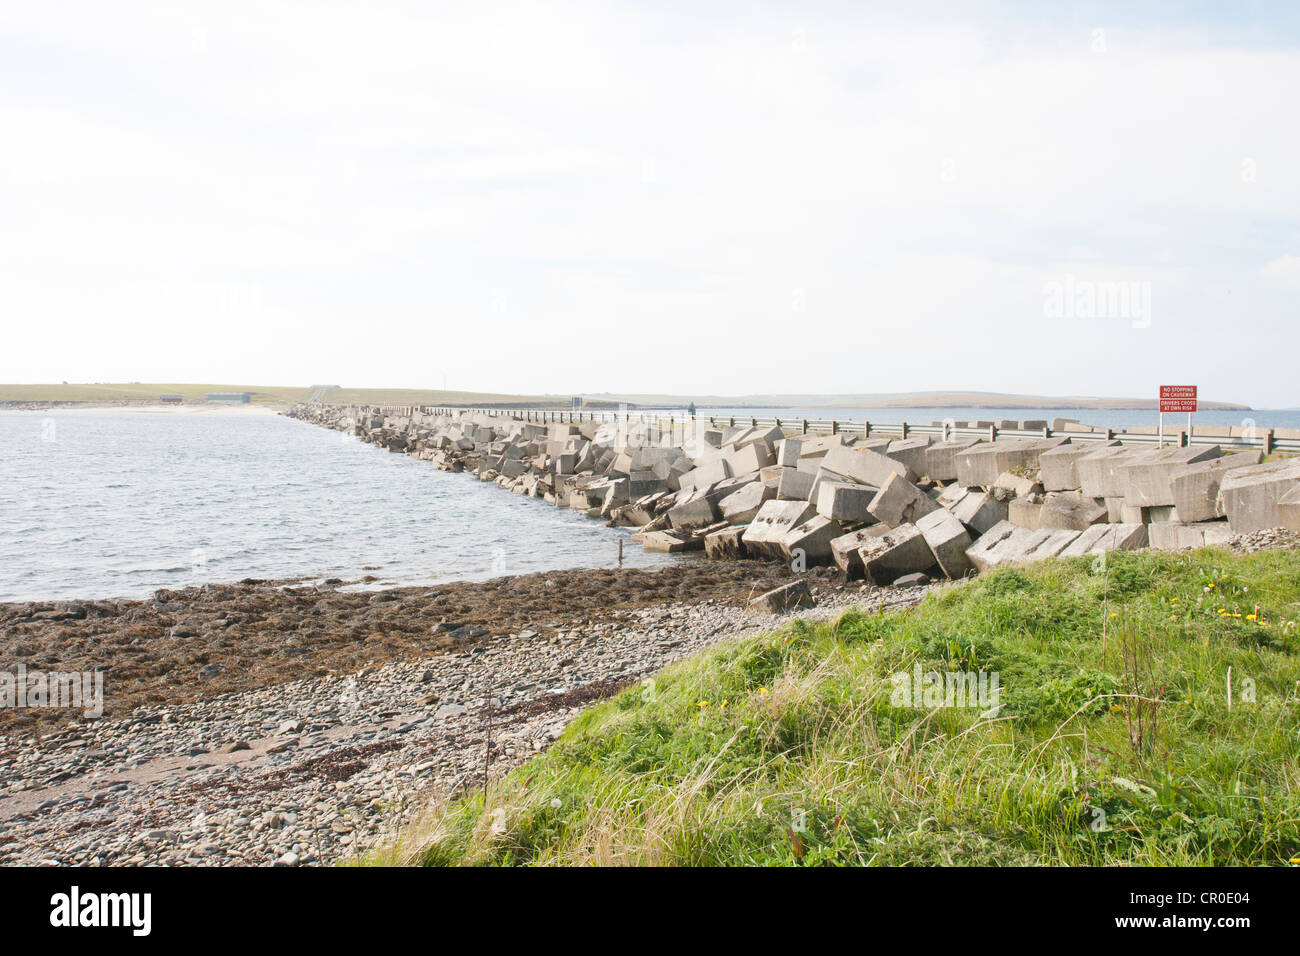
x=904, y=435
x=993, y=433
x=1268, y=441
x=835, y=427
x=804, y=430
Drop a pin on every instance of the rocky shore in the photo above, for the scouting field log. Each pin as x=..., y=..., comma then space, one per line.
x=313, y=757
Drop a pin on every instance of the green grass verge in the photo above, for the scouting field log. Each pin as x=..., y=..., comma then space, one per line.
x=1114, y=742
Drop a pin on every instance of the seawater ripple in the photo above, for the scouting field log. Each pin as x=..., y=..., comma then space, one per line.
x=97, y=504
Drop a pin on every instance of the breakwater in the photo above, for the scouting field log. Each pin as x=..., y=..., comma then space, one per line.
x=885, y=509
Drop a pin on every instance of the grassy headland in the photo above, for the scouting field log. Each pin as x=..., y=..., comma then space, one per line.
x=1114, y=742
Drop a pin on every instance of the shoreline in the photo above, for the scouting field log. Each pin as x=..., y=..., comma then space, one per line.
x=321, y=767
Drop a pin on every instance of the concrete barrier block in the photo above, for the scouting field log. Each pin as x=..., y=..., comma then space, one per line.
x=794, y=485
x=863, y=465
x=811, y=539
x=844, y=501
x=726, y=543
x=912, y=452
x=895, y=553
x=845, y=548
x=1249, y=496
x=1025, y=513
x=948, y=540
x=742, y=505
x=1195, y=488
x=1146, y=483
x=941, y=458
x=900, y=502
x=1072, y=511
x=1174, y=536
x=980, y=511
x=773, y=521
x=1288, y=510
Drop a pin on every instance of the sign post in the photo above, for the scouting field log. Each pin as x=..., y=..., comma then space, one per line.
x=1177, y=398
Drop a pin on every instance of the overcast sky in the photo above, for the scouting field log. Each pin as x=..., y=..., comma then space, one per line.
x=686, y=198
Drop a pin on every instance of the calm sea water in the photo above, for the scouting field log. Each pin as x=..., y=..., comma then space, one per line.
x=117, y=504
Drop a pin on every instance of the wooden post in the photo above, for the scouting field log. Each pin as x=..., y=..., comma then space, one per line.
x=904, y=430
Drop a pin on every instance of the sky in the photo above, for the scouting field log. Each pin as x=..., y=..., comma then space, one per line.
x=684, y=198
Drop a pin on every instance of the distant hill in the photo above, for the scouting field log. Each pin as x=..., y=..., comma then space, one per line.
x=289, y=394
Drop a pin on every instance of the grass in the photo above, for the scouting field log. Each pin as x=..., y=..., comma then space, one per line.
x=1114, y=742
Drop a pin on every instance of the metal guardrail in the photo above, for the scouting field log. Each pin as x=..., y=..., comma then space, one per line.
x=1263, y=438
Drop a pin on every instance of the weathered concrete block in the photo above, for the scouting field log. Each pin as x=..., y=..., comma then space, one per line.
x=775, y=519
x=1195, y=487
x=694, y=512
x=725, y=543
x=705, y=475
x=900, y=502
x=863, y=465
x=1146, y=483
x=750, y=457
x=941, y=458
x=1099, y=538
x=992, y=548
x=794, y=485
x=1172, y=536
x=1071, y=511
x=912, y=452
x=844, y=501
x=670, y=542
x=1025, y=513
x=788, y=451
x=787, y=596
x=1249, y=496
x=844, y=549
x=980, y=465
x=897, y=552
x=741, y=505
x=1018, y=485
x=979, y=511
x=1098, y=470
x=811, y=540
x=1288, y=510
x=948, y=540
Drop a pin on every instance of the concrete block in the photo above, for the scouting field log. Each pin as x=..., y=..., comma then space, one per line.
x=705, y=475
x=1058, y=467
x=900, y=502
x=992, y=548
x=844, y=501
x=795, y=485
x=787, y=596
x=941, y=458
x=1025, y=513
x=775, y=519
x=670, y=542
x=1099, y=538
x=1288, y=510
x=1146, y=483
x=694, y=512
x=1098, y=470
x=1249, y=496
x=845, y=548
x=1173, y=536
x=1195, y=487
x=811, y=539
x=750, y=457
x=1018, y=485
x=863, y=465
x=1071, y=511
x=725, y=543
x=788, y=451
x=1087, y=540
x=948, y=540
x=912, y=452
x=741, y=505
x=895, y=553
x=980, y=465
x=979, y=511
